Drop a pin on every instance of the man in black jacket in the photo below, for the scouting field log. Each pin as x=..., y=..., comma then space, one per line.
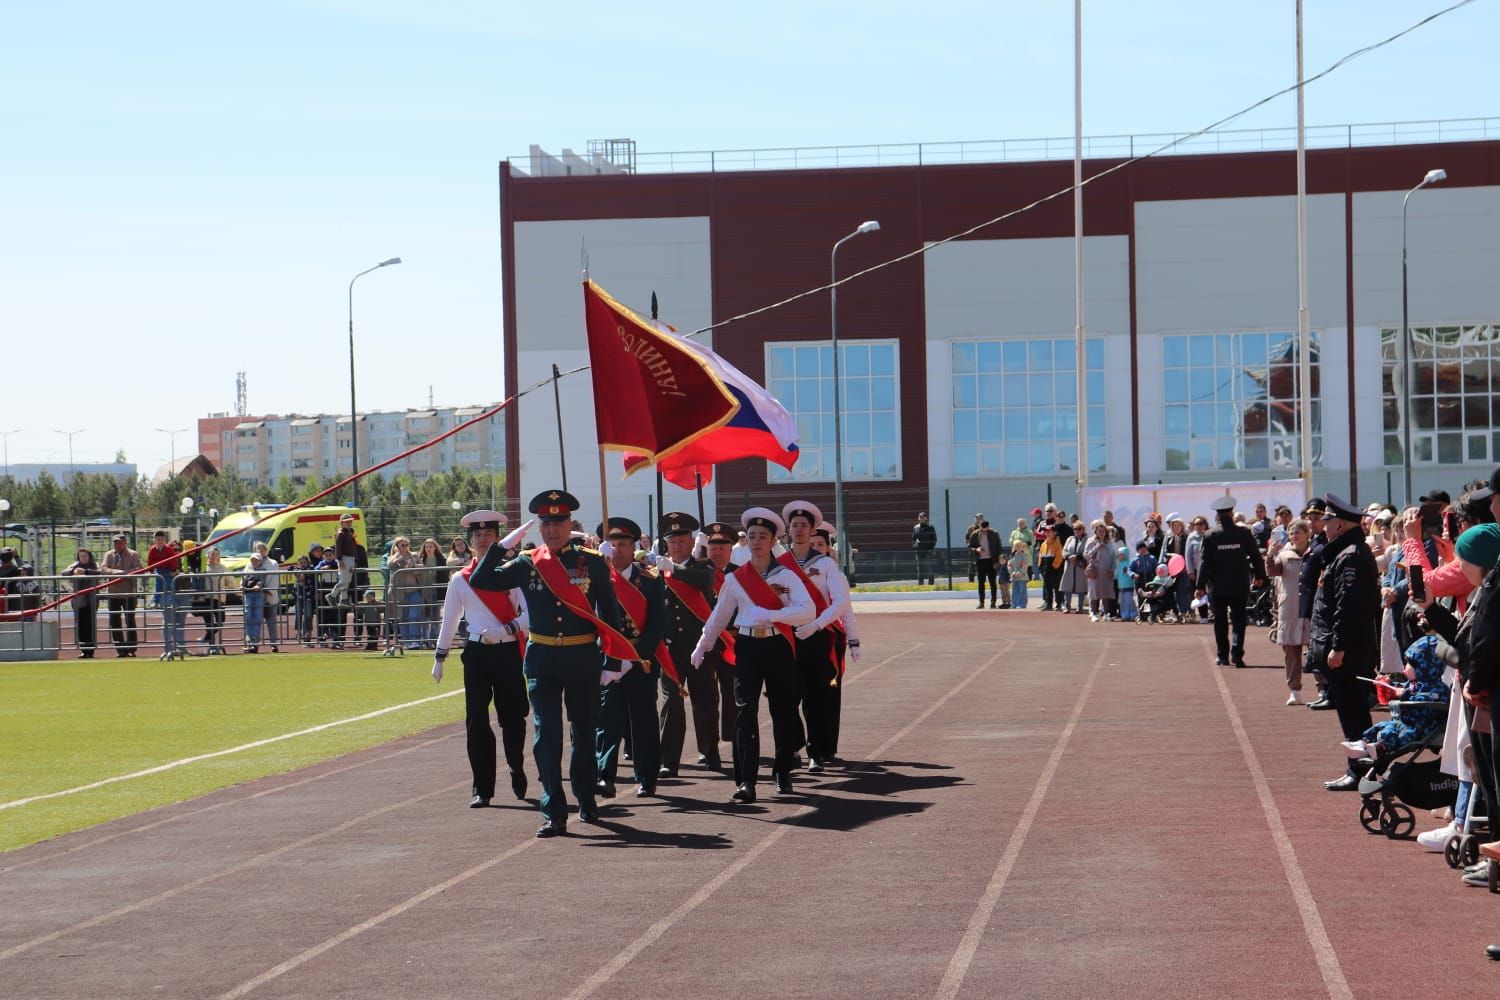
x=1231, y=560
x=1343, y=640
x=1307, y=590
x=984, y=543
x=923, y=541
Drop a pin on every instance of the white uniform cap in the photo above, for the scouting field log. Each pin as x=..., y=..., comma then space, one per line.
x=484, y=519
x=805, y=507
x=765, y=517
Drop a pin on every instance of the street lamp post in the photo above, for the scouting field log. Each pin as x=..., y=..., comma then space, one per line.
x=1433, y=176
x=171, y=434
x=72, y=472
x=838, y=432
x=353, y=408
x=5, y=438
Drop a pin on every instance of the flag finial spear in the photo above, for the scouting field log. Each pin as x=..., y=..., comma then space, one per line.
x=583, y=257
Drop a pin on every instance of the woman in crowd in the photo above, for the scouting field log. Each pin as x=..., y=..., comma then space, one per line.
x=1152, y=536
x=271, y=590
x=84, y=574
x=215, y=585
x=1194, y=550
x=1099, y=571
x=459, y=554
x=1176, y=544
x=434, y=588
x=1291, y=629
x=1049, y=557
x=405, y=591
x=1074, y=582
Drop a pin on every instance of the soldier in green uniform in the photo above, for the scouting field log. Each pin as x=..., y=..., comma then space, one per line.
x=575, y=623
x=629, y=699
x=689, y=587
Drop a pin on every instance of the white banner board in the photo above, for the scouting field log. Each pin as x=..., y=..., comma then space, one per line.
x=1131, y=504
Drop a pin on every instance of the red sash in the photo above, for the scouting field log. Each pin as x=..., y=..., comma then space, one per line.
x=759, y=591
x=692, y=599
x=820, y=605
x=633, y=603
x=498, y=601
x=557, y=579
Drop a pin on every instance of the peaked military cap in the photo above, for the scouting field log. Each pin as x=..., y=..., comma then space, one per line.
x=1338, y=508
x=554, y=505
x=719, y=533
x=802, y=508
x=765, y=517
x=1223, y=503
x=483, y=519
x=620, y=527
x=677, y=523
x=1315, y=508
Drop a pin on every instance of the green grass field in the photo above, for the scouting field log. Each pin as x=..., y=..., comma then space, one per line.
x=73, y=722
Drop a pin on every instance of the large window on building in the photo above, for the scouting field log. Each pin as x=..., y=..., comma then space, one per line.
x=800, y=375
x=1455, y=393
x=1015, y=406
x=1232, y=402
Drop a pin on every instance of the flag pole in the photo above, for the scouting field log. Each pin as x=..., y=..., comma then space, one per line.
x=659, y=545
x=699, y=477
x=603, y=495
x=562, y=456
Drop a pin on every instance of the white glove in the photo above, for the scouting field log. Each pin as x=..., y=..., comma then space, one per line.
x=437, y=671
x=854, y=654
x=625, y=666
x=608, y=677
x=806, y=631
x=513, y=539
x=606, y=548
x=697, y=658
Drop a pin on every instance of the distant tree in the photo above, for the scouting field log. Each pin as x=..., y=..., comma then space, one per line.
x=46, y=500
x=120, y=458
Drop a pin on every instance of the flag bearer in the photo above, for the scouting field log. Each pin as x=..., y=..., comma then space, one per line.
x=629, y=700
x=767, y=601
x=575, y=619
x=819, y=640
x=690, y=595
x=491, y=657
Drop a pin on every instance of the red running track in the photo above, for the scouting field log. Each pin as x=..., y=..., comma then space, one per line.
x=1034, y=807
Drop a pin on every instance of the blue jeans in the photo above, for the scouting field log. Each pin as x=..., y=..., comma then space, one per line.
x=411, y=618
x=1018, y=592
x=1127, y=604
x=255, y=613
x=173, y=614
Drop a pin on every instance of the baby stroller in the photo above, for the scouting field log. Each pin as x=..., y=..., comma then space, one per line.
x=1401, y=780
x=1158, y=599
x=1260, y=606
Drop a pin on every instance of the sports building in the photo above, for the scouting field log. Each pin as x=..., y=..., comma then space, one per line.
x=960, y=384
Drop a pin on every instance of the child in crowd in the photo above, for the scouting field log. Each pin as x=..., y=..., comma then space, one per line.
x=1018, y=566
x=1158, y=595
x=367, y=619
x=1415, y=719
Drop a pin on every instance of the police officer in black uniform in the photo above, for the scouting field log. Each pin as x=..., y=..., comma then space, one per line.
x=682, y=633
x=1231, y=559
x=1343, y=639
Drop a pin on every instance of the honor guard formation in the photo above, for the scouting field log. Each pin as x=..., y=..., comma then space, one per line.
x=630, y=650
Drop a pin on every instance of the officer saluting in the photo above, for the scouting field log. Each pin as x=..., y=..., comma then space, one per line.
x=690, y=596
x=767, y=601
x=630, y=700
x=492, y=663
x=819, y=640
x=575, y=623
x=1230, y=560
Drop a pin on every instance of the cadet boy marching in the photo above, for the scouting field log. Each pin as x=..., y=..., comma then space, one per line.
x=575, y=623
x=720, y=544
x=819, y=640
x=628, y=699
x=491, y=657
x=690, y=595
x=767, y=601
x=846, y=641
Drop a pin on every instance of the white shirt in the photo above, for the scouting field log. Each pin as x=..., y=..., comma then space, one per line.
x=463, y=602
x=796, y=607
x=834, y=586
x=740, y=554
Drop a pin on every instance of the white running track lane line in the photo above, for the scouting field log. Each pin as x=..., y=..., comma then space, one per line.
x=177, y=817
x=426, y=894
x=1307, y=906
x=656, y=931
x=375, y=921
x=238, y=866
x=958, y=965
x=170, y=765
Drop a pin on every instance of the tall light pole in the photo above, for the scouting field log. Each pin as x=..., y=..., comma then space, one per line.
x=69, y=434
x=353, y=408
x=838, y=431
x=5, y=438
x=1433, y=176
x=172, y=435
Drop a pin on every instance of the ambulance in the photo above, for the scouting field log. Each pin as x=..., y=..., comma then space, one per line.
x=287, y=533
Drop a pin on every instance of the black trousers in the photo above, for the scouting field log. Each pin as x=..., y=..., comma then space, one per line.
x=628, y=707
x=1350, y=696
x=986, y=570
x=1051, y=586
x=122, y=623
x=770, y=664
x=85, y=625
x=493, y=673
x=924, y=566
x=1229, y=611
x=727, y=710
x=820, y=706
x=1484, y=763
x=703, y=695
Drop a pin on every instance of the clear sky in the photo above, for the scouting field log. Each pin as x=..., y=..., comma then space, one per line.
x=186, y=189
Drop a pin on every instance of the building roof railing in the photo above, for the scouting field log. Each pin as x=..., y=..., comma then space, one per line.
x=539, y=163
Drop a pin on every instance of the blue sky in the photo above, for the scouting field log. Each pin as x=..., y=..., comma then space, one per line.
x=187, y=188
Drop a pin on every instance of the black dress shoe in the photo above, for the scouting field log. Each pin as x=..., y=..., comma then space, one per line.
x=1321, y=705
x=814, y=765
x=518, y=784
x=1493, y=950
x=552, y=828
x=783, y=783
x=713, y=763
x=1221, y=661
x=478, y=802
x=703, y=758
x=744, y=793
x=666, y=772
x=605, y=789
x=642, y=791
x=1344, y=783
x=588, y=814
x=1239, y=662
